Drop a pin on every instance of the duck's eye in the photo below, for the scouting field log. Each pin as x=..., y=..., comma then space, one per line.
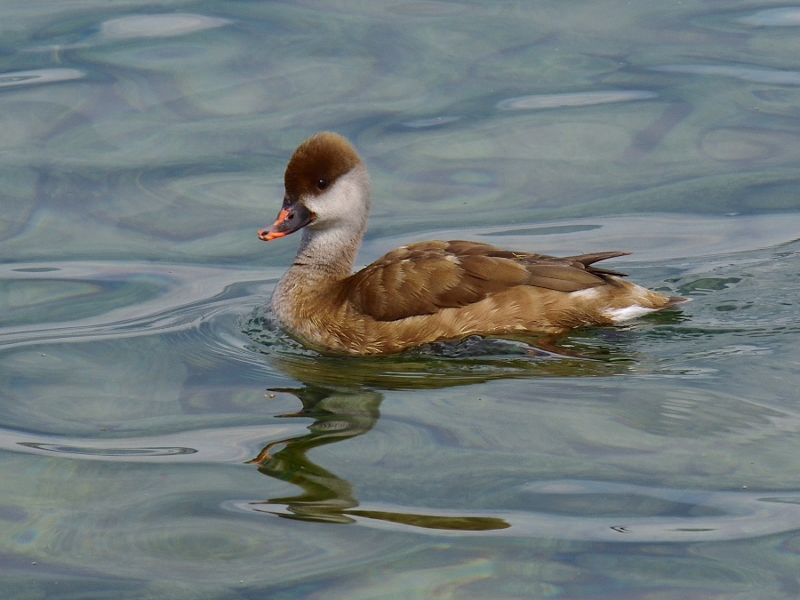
x=322, y=184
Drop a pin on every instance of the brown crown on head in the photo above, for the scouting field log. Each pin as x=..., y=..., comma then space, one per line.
x=317, y=163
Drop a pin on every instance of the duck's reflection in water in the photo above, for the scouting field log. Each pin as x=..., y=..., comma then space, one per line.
x=338, y=415
x=335, y=395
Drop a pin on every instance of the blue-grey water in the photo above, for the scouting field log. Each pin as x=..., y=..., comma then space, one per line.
x=160, y=438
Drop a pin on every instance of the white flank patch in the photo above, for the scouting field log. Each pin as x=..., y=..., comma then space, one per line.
x=586, y=294
x=627, y=313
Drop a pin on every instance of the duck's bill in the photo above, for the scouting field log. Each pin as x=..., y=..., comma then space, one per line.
x=291, y=218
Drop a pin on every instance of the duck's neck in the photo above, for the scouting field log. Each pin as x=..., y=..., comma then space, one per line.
x=331, y=242
x=328, y=253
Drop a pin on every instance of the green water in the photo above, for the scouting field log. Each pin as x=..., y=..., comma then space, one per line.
x=160, y=438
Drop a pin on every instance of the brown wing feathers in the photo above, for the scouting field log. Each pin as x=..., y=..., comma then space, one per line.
x=588, y=260
x=426, y=277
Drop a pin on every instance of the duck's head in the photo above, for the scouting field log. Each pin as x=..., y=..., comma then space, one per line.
x=326, y=185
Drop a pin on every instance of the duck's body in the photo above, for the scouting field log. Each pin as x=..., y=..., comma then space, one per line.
x=426, y=291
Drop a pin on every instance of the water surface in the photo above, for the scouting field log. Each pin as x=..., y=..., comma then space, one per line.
x=162, y=438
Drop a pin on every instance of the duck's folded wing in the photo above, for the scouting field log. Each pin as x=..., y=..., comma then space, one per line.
x=424, y=278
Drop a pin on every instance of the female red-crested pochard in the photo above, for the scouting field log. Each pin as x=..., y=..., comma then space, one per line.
x=426, y=291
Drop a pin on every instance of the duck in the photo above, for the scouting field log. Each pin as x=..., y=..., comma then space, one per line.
x=427, y=291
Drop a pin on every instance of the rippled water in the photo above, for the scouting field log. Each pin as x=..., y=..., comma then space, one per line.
x=162, y=438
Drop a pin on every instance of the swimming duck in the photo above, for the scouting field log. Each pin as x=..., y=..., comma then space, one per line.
x=426, y=291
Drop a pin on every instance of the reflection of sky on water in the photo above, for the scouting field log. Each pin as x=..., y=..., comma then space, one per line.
x=576, y=99
x=773, y=17
x=432, y=122
x=153, y=419
x=14, y=78
x=744, y=73
x=148, y=26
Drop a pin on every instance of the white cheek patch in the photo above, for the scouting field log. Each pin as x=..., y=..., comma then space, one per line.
x=347, y=199
x=627, y=313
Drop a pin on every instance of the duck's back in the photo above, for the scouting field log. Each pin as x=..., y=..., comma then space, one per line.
x=426, y=277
